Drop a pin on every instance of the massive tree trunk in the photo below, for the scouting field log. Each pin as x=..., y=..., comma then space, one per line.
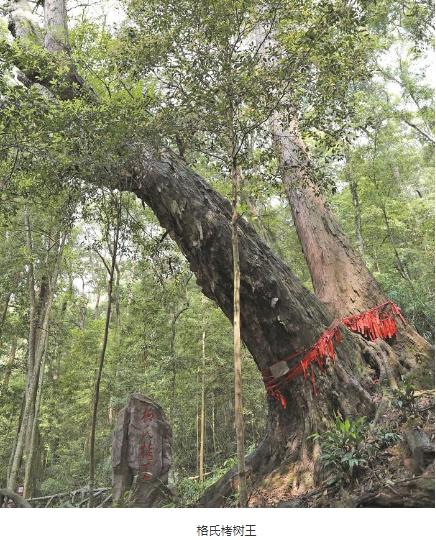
x=339, y=275
x=278, y=315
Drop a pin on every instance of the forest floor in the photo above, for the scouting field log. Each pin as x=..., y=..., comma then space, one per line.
x=393, y=477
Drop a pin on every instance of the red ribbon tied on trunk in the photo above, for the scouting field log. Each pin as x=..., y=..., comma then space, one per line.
x=376, y=323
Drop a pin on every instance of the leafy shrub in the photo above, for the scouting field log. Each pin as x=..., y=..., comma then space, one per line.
x=404, y=398
x=350, y=446
x=189, y=490
x=341, y=447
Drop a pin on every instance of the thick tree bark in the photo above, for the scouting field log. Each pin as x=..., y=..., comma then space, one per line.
x=340, y=278
x=278, y=315
x=339, y=275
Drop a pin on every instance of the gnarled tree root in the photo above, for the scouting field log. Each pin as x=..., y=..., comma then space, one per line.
x=19, y=501
x=257, y=464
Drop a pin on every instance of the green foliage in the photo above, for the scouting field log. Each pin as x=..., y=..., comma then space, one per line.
x=349, y=446
x=172, y=74
x=342, y=450
x=405, y=399
x=190, y=490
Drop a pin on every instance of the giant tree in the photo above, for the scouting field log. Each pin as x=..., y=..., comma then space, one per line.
x=279, y=317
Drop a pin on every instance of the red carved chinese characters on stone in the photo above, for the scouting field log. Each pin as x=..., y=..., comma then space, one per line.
x=141, y=452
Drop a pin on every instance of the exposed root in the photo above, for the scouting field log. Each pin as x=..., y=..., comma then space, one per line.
x=19, y=501
x=286, y=462
x=380, y=357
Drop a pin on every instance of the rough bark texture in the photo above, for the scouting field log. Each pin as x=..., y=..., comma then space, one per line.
x=278, y=315
x=339, y=275
x=141, y=453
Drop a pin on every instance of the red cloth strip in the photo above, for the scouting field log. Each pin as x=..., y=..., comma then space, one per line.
x=375, y=323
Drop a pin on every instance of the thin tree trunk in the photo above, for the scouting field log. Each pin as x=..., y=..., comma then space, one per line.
x=9, y=366
x=197, y=425
x=352, y=182
x=173, y=356
x=401, y=266
x=44, y=309
x=20, y=420
x=4, y=313
x=202, y=405
x=101, y=360
x=117, y=296
x=213, y=424
x=97, y=304
x=239, y=418
x=39, y=320
x=28, y=471
x=173, y=368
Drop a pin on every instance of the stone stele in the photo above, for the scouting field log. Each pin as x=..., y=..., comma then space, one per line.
x=141, y=454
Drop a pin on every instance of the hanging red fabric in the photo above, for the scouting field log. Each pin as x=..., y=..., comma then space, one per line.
x=378, y=322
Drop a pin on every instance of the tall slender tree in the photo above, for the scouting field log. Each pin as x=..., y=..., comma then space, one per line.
x=113, y=247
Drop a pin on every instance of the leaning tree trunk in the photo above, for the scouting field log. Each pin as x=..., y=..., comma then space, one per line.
x=339, y=275
x=278, y=315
